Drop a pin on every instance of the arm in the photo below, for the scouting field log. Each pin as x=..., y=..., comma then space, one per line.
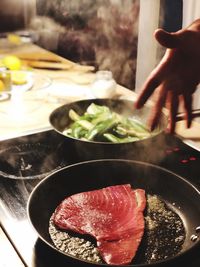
x=177, y=75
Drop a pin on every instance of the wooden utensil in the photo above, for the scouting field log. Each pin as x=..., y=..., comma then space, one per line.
x=49, y=64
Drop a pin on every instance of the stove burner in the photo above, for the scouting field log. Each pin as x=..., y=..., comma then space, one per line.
x=29, y=161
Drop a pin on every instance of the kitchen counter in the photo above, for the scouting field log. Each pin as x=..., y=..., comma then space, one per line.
x=10, y=256
x=29, y=112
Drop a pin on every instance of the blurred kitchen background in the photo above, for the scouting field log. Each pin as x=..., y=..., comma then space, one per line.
x=115, y=35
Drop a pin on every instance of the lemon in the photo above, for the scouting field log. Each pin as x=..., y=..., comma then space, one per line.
x=12, y=62
x=18, y=77
x=1, y=63
x=2, y=86
x=14, y=39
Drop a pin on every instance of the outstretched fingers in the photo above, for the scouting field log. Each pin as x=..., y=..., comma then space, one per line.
x=153, y=81
x=187, y=101
x=173, y=99
x=151, y=84
x=157, y=110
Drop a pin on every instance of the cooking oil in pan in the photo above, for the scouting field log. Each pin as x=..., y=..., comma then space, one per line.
x=164, y=232
x=163, y=237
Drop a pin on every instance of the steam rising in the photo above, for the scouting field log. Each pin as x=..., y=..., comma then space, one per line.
x=101, y=33
x=33, y=157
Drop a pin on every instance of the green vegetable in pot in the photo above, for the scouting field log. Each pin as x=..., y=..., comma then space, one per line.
x=101, y=124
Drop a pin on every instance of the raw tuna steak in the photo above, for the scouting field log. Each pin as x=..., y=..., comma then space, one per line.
x=113, y=215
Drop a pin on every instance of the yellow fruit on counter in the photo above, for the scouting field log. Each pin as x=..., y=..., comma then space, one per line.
x=1, y=63
x=14, y=39
x=12, y=62
x=2, y=86
x=18, y=77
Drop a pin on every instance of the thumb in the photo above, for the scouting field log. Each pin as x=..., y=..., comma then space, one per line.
x=167, y=39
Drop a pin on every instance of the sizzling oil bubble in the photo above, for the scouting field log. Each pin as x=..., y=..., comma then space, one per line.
x=164, y=232
x=74, y=246
x=193, y=238
x=163, y=238
x=197, y=229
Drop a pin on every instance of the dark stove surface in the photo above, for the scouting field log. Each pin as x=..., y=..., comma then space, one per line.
x=24, y=161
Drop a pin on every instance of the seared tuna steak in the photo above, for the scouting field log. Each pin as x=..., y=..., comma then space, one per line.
x=113, y=215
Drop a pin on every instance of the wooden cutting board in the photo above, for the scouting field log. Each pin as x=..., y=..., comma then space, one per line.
x=37, y=57
x=47, y=65
x=41, y=64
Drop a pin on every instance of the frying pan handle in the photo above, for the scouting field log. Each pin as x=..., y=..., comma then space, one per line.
x=195, y=114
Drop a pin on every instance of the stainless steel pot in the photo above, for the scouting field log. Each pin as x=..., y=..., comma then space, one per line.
x=86, y=150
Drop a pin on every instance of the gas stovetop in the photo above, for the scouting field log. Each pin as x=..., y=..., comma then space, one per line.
x=24, y=161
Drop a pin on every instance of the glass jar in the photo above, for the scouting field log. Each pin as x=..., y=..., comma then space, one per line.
x=104, y=86
x=5, y=80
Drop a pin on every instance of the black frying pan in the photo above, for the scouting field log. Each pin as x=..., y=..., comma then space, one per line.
x=181, y=196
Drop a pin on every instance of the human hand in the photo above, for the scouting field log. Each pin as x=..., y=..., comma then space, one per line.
x=177, y=75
